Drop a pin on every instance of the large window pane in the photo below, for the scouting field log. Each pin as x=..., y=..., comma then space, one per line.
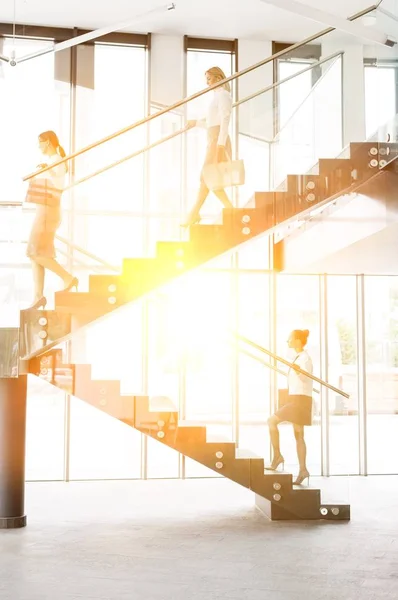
x=32, y=100
x=45, y=441
x=342, y=354
x=381, y=305
x=380, y=97
x=254, y=377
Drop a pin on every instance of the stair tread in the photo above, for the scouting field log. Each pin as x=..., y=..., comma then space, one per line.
x=244, y=453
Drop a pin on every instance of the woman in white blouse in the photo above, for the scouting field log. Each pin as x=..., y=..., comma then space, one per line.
x=40, y=248
x=218, y=142
x=298, y=409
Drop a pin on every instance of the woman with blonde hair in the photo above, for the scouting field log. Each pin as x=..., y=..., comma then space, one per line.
x=40, y=248
x=219, y=147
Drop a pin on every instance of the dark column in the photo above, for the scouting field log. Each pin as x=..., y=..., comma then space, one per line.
x=12, y=451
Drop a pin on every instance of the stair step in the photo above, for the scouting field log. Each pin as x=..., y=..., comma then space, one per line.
x=84, y=303
x=308, y=190
x=244, y=223
x=34, y=324
x=243, y=453
x=188, y=434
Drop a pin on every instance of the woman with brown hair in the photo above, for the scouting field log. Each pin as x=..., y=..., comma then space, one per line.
x=40, y=248
x=298, y=409
x=219, y=147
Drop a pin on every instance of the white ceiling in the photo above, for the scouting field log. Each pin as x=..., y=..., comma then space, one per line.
x=206, y=18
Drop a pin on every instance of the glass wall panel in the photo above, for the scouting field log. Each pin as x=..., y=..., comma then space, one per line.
x=45, y=432
x=34, y=98
x=110, y=95
x=381, y=307
x=102, y=447
x=380, y=100
x=343, y=373
x=254, y=377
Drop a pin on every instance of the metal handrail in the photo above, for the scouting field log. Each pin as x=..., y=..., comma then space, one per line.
x=273, y=86
x=184, y=101
x=290, y=365
x=265, y=364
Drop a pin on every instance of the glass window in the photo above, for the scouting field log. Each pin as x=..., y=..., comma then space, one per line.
x=380, y=97
x=381, y=306
x=45, y=432
x=254, y=377
x=32, y=101
x=292, y=93
x=342, y=354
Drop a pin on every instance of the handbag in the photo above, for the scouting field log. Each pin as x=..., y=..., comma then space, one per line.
x=41, y=191
x=224, y=174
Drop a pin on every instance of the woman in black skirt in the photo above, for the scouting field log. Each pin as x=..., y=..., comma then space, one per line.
x=298, y=409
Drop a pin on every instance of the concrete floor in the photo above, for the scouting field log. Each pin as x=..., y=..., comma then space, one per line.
x=194, y=540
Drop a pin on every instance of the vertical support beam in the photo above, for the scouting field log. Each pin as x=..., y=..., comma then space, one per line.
x=361, y=368
x=324, y=374
x=235, y=365
x=272, y=327
x=12, y=451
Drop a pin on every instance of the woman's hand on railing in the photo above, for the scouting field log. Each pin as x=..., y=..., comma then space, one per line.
x=191, y=123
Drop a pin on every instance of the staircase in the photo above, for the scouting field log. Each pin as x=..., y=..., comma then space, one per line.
x=267, y=212
x=288, y=216
x=158, y=418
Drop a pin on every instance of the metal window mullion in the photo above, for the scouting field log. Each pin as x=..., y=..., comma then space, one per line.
x=361, y=368
x=145, y=304
x=272, y=300
x=235, y=356
x=70, y=250
x=324, y=364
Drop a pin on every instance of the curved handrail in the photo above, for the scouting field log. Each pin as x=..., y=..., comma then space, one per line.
x=290, y=365
x=184, y=101
x=167, y=138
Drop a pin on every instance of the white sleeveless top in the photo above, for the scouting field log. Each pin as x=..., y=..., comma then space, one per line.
x=298, y=384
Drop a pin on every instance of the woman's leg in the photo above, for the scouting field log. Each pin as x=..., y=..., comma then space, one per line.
x=301, y=447
x=274, y=435
x=223, y=197
x=194, y=213
x=38, y=280
x=52, y=265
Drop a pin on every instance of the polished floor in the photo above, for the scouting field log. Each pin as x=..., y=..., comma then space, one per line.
x=194, y=540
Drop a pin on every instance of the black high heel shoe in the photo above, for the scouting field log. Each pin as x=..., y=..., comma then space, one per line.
x=41, y=303
x=277, y=460
x=302, y=476
x=73, y=284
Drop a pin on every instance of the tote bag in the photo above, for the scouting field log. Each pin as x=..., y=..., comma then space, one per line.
x=224, y=174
